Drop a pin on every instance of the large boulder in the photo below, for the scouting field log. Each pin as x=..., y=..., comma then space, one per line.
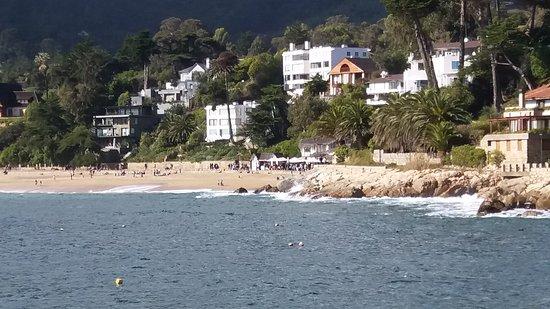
x=425, y=187
x=266, y=188
x=285, y=185
x=241, y=191
x=491, y=207
x=357, y=193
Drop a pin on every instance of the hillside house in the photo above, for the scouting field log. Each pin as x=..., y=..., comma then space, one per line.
x=14, y=101
x=522, y=134
x=302, y=63
x=350, y=71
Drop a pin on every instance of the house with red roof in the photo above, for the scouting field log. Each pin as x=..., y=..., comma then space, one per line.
x=350, y=71
x=522, y=134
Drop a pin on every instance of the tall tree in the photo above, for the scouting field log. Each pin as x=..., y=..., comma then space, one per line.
x=136, y=53
x=268, y=122
x=414, y=11
x=223, y=66
x=463, y=13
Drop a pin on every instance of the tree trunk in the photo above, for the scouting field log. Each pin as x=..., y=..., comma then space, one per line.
x=497, y=9
x=519, y=71
x=533, y=16
x=145, y=76
x=231, y=138
x=425, y=52
x=497, y=92
x=462, y=37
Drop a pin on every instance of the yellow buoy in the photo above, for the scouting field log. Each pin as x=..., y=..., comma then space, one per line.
x=119, y=281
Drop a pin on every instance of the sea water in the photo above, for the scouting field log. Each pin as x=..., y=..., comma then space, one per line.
x=208, y=249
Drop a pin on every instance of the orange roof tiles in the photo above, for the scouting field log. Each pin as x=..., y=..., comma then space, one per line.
x=541, y=93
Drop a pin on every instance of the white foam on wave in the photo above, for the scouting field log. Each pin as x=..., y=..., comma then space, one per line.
x=129, y=189
x=521, y=213
x=217, y=194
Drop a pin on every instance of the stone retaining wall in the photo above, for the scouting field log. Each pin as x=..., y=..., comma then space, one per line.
x=379, y=156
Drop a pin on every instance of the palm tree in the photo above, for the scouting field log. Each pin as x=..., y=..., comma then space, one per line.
x=404, y=124
x=390, y=129
x=178, y=127
x=439, y=135
x=356, y=122
x=329, y=123
x=223, y=66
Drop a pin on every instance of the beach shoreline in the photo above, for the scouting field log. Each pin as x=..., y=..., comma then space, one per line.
x=29, y=180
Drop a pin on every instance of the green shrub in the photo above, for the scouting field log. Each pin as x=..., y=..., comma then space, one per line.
x=360, y=157
x=288, y=148
x=85, y=159
x=341, y=153
x=468, y=156
x=495, y=158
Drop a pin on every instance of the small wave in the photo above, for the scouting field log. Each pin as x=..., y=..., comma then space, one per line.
x=217, y=194
x=521, y=213
x=129, y=189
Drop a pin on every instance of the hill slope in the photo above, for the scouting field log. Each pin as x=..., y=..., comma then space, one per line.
x=109, y=21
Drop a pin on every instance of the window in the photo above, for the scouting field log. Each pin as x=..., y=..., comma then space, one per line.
x=508, y=145
x=420, y=66
x=344, y=68
x=348, y=54
x=455, y=65
x=326, y=64
x=356, y=54
x=316, y=65
x=365, y=54
x=393, y=85
x=489, y=143
x=520, y=145
x=287, y=77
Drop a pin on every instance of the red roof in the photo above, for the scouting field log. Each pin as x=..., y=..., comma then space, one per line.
x=540, y=93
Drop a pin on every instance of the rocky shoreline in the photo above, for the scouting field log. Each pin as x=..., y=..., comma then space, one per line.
x=499, y=194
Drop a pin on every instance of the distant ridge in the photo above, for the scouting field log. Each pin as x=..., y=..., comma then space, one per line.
x=108, y=21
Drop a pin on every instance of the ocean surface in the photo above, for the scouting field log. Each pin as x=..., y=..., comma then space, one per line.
x=210, y=249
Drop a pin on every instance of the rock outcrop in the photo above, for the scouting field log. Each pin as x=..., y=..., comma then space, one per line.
x=356, y=182
x=241, y=191
x=267, y=188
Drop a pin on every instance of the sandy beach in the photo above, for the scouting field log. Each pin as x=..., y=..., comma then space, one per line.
x=57, y=181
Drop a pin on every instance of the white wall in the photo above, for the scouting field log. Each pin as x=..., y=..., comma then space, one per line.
x=300, y=65
x=217, y=124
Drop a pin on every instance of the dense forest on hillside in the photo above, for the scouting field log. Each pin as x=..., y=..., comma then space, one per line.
x=108, y=22
x=77, y=82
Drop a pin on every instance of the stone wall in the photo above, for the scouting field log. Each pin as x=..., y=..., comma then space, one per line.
x=379, y=156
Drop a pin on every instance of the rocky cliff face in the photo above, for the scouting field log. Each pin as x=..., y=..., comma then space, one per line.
x=500, y=194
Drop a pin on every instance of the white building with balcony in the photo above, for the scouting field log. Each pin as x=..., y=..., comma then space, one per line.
x=446, y=64
x=217, y=120
x=184, y=90
x=302, y=63
x=379, y=89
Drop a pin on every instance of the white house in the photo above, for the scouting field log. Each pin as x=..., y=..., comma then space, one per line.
x=378, y=89
x=318, y=147
x=445, y=60
x=217, y=120
x=185, y=88
x=446, y=64
x=302, y=63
